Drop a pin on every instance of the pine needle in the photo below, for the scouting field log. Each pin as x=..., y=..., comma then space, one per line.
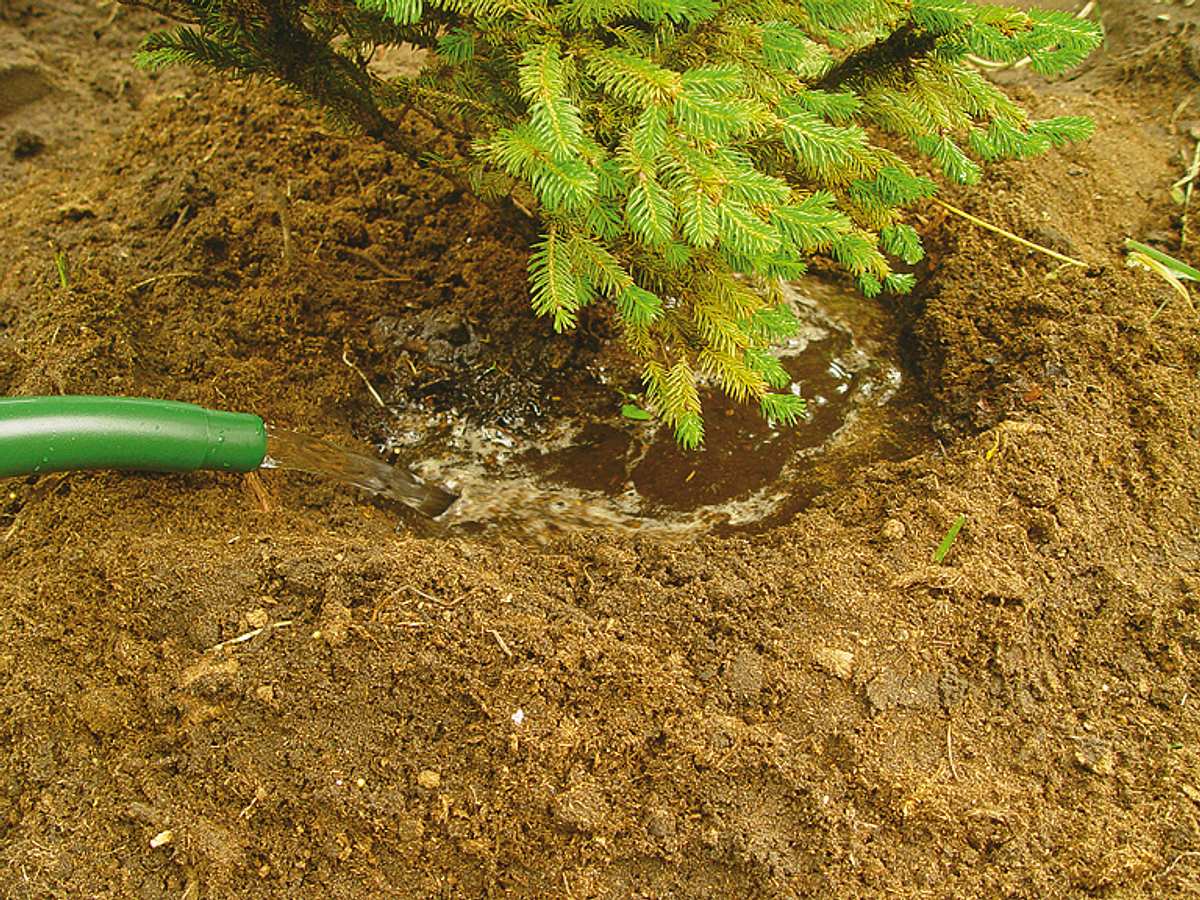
x=163, y=277
x=1025, y=60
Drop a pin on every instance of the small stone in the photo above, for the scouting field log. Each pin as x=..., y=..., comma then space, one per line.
x=265, y=693
x=893, y=530
x=429, y=779
x=1096, y=756
x=839, y=663
x=661, y=823
x=257, y=618
x=162, y=839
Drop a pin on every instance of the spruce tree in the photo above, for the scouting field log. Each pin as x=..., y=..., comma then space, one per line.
x=683, y=157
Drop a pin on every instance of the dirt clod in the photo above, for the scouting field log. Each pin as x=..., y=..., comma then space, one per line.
x=660, y=823
x=26, y=144
x=105, y=710
x=335, y=623
x=744, y=676
x=582, y=806
x=211, y=675
x=1096, y=756
x=839, y=663
x=899, y=686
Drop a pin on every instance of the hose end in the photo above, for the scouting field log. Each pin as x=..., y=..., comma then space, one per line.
x=237, y=442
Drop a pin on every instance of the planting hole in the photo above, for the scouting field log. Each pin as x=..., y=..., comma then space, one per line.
x=617, y=472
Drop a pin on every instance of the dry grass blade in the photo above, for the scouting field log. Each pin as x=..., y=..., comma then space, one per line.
x=1142, y=260
x=996, y=229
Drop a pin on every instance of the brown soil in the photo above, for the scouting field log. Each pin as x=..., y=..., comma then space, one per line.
x=814, y=711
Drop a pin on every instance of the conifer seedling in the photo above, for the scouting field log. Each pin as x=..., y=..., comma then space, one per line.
x=683, y=157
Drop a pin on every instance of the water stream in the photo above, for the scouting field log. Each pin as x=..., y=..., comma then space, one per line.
x=304, y=453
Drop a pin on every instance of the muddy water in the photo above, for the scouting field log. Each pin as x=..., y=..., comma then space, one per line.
x=615, y=473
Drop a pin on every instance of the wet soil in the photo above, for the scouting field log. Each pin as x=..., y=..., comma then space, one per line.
x=277, y=687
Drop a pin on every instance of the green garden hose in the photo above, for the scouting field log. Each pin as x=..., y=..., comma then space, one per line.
x=56, y=434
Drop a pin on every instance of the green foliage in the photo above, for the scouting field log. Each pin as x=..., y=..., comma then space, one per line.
x=948, y=539
x=635, y=412
x=682, y=155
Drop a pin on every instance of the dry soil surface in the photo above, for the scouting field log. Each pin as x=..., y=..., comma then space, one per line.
x=816, y=710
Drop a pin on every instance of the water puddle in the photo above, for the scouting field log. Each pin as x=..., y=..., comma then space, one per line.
x=614, y=473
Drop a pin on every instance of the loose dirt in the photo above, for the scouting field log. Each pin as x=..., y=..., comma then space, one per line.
x=276, y=687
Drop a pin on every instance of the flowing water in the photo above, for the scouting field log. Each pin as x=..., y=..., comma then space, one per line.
x=303, y=453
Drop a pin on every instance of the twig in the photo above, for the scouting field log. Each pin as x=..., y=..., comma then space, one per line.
x=1187, y=182
x=499, y=640
x=154, y=278
x=420, y=593
x=280, y=201
x=522, y=207
x=1183, y=104
x=259, y=491
x=950, y=752
x=367, y=257
x=251, y=634
x=174, y=228
x=212, y=151
x=1070, y=260
x=370, y=387
x=1185, y=854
